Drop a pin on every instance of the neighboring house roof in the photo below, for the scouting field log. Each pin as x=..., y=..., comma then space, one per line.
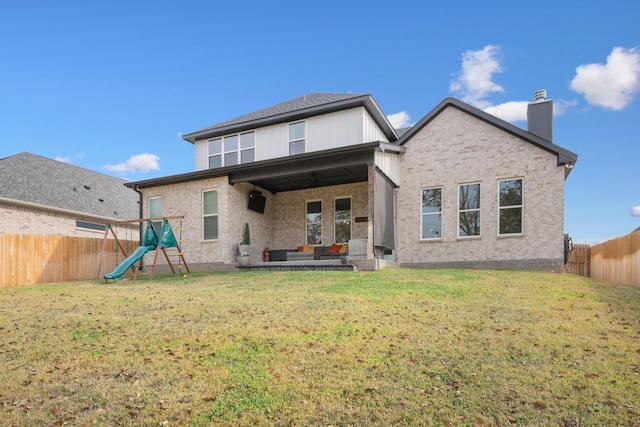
x=296, y=109
x=402, y=131
x=37, y=180
x=565, y=157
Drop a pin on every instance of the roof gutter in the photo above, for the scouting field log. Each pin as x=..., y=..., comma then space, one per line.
x=280, y=162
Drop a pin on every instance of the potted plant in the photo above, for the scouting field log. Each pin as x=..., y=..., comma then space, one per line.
x=246, y=237
x=243, y=258
x=245, y=249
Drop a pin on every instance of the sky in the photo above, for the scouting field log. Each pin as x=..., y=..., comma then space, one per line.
x=111, y=86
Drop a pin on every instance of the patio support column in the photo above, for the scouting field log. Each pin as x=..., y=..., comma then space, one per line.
x=371, y=170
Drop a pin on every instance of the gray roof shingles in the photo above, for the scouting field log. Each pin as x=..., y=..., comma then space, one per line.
x=34, y=179
x=296, y=104
x=299, y=108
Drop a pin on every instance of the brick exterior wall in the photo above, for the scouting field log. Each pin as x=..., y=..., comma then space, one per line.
x=290, y=214
x=456, y=148
x=185, y=199
x=281, y=226
x=27, y=220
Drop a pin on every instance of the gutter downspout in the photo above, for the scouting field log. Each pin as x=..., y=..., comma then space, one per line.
x=140, y=226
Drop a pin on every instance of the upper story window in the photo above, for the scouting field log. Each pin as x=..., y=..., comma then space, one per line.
x=232, y=149
x=431, y=218
x=342, y=220
x=469, y=210
x=510, y=206
x=297, y=138
x=247, y=147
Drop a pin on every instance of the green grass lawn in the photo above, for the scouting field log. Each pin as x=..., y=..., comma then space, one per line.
x=394, y=347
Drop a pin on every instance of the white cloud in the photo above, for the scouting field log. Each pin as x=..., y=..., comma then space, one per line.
x=512, y=111
x=474, y=84
x=635, y=211
x=561, y=106
x=399, y=120
x=474, y=81
x=63, y=159
x=611, y=85
x=137, y=163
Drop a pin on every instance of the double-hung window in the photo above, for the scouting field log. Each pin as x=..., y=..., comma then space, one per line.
x=431, y=218
x=314, y=222
x=232, y=150
x=215, y=153
x=296, y=138
x=247, y=147
x=510, y=206
x=230, y=144
x=210, y=215
x=342, y=220
x=469, y=210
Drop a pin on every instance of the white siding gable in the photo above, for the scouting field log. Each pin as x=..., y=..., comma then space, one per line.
x=371, y=130
x=202, y=158
x=324, y=132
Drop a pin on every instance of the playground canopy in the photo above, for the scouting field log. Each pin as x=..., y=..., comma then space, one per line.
x=150, y=241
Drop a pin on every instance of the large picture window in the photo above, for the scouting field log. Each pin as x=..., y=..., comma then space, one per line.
x=469, y=210
x=431, y=218
x=342, y=220
x=232, y=150
x=510, y=201
x=314, y=222
x=296, y=138
x=210, y=215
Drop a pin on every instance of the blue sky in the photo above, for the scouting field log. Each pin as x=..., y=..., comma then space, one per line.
x=111, y=85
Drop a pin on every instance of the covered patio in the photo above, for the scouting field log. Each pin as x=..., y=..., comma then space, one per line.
x=331, y=170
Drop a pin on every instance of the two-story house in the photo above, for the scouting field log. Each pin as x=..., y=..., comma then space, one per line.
x=459, y=188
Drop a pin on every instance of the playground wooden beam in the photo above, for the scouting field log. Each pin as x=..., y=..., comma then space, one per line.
x=133, y=221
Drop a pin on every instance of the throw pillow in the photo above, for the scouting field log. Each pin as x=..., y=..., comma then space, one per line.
x=334, y=249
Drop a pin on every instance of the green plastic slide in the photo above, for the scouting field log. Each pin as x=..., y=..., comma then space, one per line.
x=127, y=263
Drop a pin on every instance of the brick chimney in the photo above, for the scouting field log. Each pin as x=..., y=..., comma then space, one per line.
x=540, y=115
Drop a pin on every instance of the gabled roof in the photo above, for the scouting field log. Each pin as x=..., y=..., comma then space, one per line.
x=565, y=157
x=296, y=109
x=37, y=180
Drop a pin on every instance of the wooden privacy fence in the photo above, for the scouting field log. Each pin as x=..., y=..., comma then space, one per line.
x=579, y=260
x=617, y=260
x=614, y=261
x=32, y=259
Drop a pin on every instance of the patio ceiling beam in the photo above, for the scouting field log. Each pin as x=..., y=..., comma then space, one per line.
x=285, y=168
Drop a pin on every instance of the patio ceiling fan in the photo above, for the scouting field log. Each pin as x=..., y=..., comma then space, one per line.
x=312, y=181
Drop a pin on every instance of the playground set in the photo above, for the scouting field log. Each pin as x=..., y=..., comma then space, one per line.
x=151, y=241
